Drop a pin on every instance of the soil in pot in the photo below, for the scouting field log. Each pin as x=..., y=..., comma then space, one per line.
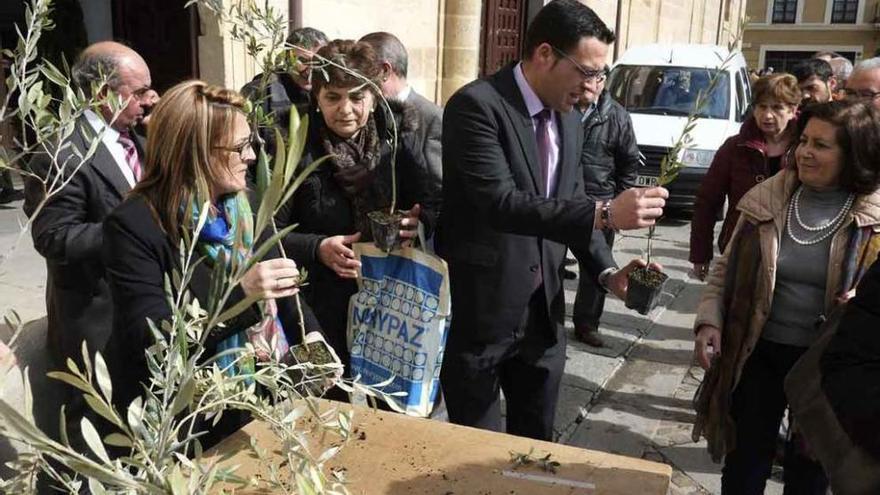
x=385, y=227
x=644, y=289
x=315, y=381
x=316, y=353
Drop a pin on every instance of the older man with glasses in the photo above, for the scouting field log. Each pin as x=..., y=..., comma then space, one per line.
x=609, y=162
x=864, y=83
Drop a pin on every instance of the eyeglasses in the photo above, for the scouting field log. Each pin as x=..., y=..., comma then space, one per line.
x=588, y=75
x=239, y=148
x=866, y=94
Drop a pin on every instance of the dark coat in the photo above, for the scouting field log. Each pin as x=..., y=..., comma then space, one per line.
x=138, y=256
x=321, y=209
x=610, y=157
x=497, y=227
x=429, y=135
x=67, y=233
x=280, y=94
x=738, y=165
x=851, y=366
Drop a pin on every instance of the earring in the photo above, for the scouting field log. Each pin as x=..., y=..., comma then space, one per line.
x=317, y=109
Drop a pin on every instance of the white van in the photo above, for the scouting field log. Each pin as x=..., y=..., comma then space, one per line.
x=658, y=85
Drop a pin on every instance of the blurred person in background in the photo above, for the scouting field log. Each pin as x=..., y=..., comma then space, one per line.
x=816, y=80
x=864, y=83
x=610, y=162
x=759, y=151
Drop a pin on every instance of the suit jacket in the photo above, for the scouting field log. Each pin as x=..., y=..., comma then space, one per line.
x=497, y=228
x=138, y=256
x=67, y=233
x=428, y=135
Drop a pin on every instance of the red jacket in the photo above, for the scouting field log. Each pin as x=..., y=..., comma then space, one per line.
x=738, y=165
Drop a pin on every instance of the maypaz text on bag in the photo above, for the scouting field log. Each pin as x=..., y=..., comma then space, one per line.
x=397, y=324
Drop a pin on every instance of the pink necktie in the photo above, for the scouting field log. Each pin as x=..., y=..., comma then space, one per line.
x=131, y=155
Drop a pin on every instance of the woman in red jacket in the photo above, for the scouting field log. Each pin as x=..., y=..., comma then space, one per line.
x=759, y=150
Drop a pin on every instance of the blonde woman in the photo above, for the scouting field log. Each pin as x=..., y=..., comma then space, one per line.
x=198, y=150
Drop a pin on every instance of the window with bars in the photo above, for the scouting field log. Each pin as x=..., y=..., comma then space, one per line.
x=785, y=11
x=844, y=11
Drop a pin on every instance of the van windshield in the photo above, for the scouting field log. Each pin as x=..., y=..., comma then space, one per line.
x=668, y=90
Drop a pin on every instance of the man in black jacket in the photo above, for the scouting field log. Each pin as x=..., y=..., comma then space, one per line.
x=282, y=92
x=67, y=229
x=610, y=162
x=513, y=199
x=394, y=59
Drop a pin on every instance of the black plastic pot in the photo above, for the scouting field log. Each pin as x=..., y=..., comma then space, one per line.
x=385, y=228
x=314, y=381
x=317, y=353
x=644, y=288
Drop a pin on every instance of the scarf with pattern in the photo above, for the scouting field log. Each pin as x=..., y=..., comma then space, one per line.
x=229, y=229
x=356, y=160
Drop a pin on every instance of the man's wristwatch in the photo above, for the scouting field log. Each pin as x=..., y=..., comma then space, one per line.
x=605, y=216
x=604, y=276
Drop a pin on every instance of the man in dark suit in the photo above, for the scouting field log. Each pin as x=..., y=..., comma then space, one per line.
x=513, y=200
x=283, y=91
x=393, y=57
x=67, y=225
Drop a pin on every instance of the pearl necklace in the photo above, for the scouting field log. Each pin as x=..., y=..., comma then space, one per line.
x=797, y=213
x=825, y=230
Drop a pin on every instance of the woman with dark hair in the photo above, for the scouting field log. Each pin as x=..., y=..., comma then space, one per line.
x=759, y=150
x=799, y=246
x=349, y=125
x=198, y=151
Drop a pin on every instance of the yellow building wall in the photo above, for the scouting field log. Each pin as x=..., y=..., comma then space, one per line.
x=756, y=10
x=813, y=11
x=224, y=61
x=670, y=21
x=416, y=22
x=863, y=41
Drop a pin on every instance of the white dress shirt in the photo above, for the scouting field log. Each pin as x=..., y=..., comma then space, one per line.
x=110, y=138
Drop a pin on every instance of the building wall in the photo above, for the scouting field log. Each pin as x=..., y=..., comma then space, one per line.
x=813, y=31
x=221, y=60
x=670, y=21
x=443, y=36
x=418, y=24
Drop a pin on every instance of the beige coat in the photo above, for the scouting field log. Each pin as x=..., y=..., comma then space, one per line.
x=764, y=207
x=767, y=205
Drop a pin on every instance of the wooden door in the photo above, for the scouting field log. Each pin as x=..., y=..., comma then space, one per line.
x=503, y=32
x=162, y=32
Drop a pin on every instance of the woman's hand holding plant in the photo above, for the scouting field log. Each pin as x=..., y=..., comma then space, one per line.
x=336, y=254
x=272, y=279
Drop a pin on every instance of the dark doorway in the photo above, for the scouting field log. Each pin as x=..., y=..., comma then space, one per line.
x=503, y=29
x=164, y=33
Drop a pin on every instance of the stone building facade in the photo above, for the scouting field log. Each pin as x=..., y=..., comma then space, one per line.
x=781, y=32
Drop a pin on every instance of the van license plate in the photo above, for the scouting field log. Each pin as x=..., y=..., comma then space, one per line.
x=646, y=181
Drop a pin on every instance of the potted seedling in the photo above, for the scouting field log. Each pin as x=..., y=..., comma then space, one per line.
x=385, y=228
x=646, y=284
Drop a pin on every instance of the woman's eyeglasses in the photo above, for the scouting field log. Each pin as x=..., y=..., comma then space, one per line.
x=587, y=74
x=241, y=147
